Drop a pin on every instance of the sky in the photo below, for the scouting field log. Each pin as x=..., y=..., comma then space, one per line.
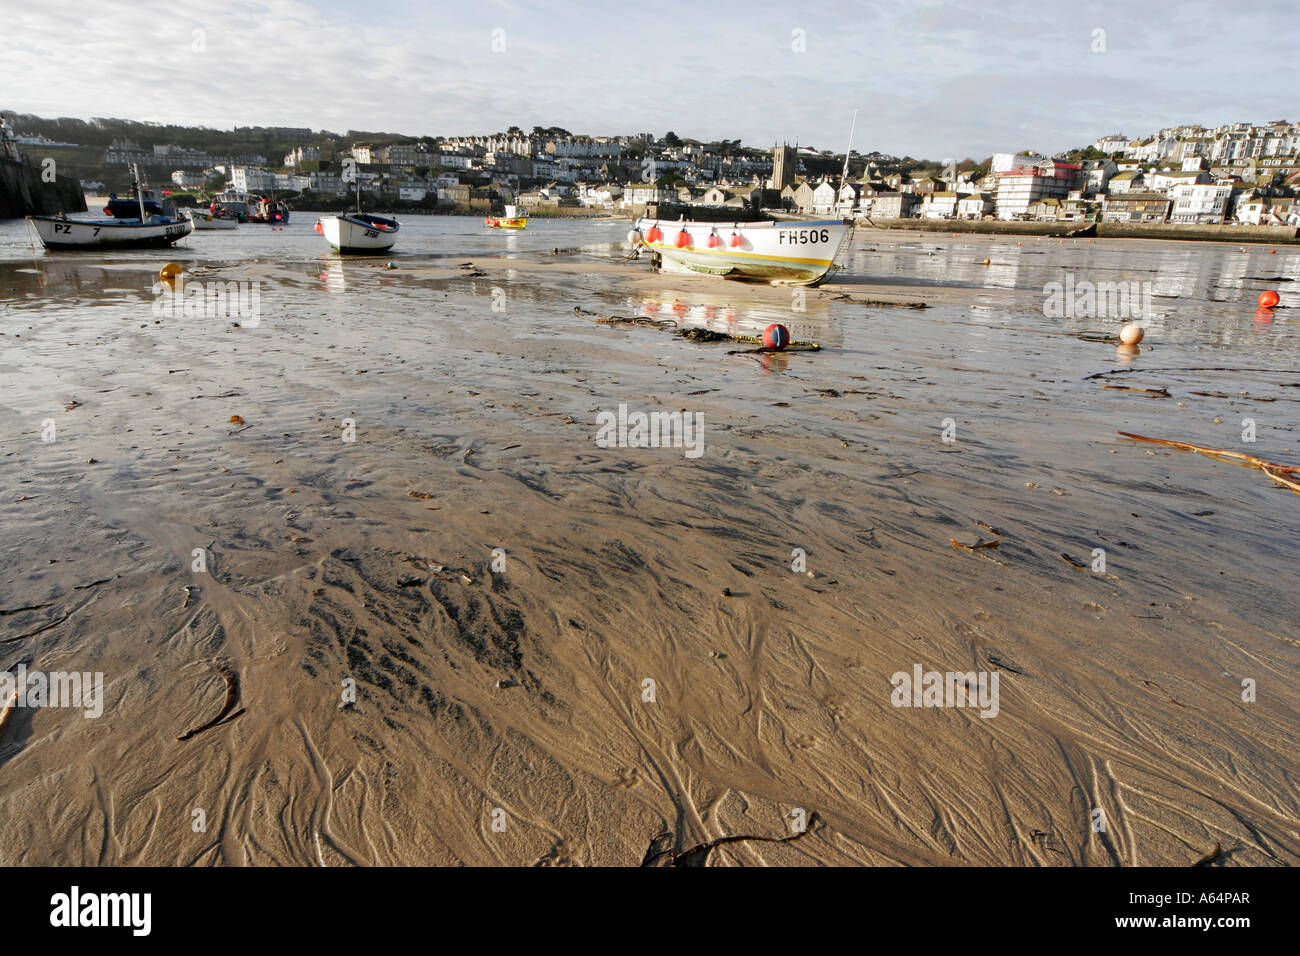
x=931, y=79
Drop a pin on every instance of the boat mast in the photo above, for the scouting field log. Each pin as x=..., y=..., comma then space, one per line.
x=139, y=196
x=844, y=175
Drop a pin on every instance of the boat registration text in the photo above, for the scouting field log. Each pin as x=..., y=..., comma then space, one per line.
x=802, y=236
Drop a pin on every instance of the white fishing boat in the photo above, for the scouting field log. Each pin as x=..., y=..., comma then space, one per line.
x=206, y=220
x=60, y=232
x=782, y=253
x=359, y=233
x=148, y=231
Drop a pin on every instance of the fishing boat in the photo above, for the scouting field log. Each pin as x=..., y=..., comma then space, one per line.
x=204, y=219
x=270, y=211
x=359, y=233
x=116, y=232
x=233, y=204
x=128, y=206
x=782, y=253
x=511, y=220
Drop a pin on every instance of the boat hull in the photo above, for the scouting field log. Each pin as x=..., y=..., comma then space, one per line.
x=493, y=222
x=782, y=253
x=59, y=233
x=205, y=220
x=359, y=235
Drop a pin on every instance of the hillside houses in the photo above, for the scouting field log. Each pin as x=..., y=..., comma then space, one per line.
x=1239, y=172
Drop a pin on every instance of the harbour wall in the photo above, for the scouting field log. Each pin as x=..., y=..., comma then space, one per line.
x=24, y=193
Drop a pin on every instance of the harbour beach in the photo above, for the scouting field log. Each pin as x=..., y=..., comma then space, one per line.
x=566, y=652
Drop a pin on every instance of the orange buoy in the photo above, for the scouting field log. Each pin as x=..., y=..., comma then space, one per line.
x=683, y=239
x=735, y=239
x=714, y=241
x=1268, y=299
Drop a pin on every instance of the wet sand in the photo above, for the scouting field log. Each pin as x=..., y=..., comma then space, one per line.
x=501, y=716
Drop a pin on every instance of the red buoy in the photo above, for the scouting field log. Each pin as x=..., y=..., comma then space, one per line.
x=683, y=239
x=735, y=240
x=653, y=234
x=1268, y=299
x=714, y=241
x=776, y=336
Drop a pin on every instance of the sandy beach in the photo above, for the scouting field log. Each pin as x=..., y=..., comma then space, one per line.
x=569, y=654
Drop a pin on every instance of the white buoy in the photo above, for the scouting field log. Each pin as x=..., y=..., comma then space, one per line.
x=1131, y=334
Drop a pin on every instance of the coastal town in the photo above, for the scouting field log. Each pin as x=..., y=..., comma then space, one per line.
x=1240, y=173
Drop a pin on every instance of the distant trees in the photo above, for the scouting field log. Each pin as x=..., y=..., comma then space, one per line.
x=671, y=139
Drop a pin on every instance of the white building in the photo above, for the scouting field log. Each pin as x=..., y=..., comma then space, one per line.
x=252, y=179
x=940, y=205
x=603, y=196
x=824, y=199
x=289, y=182
x=1114, y=143
x=1097, y=174
x=302, y=154
x=1003, y=162
x=1128, y=181
x=1200, y=202
x=1020, y=187
x=1163, y=180
x=187, y=180
x=640, y=194
x=974, y=206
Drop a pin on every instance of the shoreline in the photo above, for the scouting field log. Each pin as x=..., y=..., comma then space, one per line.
x=1276, y=235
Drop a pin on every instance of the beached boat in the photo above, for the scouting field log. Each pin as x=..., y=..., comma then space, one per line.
x=203, y=219
x=783, y=253
x=114, y=232
x=60, y=232
x=511, y=220
x=359, y=233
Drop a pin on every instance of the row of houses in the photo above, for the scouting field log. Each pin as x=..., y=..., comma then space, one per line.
x=1232, y=141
